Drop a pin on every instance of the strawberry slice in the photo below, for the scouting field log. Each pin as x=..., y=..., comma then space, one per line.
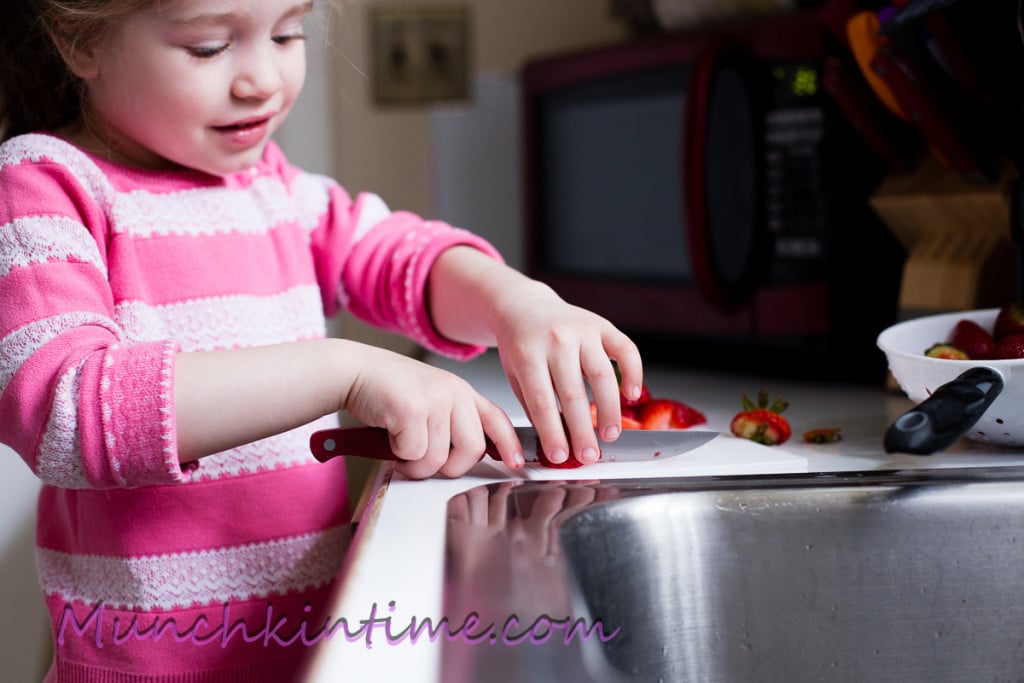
x=629, y=420
x=666, y=413
x=763, y=422
x=631, y=423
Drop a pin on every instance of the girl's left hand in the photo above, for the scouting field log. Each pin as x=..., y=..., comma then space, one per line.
x=550, y=351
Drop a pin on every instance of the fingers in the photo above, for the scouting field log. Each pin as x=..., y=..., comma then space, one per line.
x=552, y=386
x=607, y=388
x=532, y=379
x=626, y=355
x=598, y=369
x=469, y=428
x=499, y=429
x=455, y=441
x=436, y=421
x=568, y=381
x=440, y=425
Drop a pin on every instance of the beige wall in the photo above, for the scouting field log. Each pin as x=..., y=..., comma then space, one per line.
x=387, y=150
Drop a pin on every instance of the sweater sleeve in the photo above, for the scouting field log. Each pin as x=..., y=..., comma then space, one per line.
x=81, y=405
x=375, y=263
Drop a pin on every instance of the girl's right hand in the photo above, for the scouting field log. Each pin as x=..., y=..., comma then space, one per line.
x=437, y=421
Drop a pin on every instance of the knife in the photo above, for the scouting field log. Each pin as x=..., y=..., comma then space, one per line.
x=633, y=445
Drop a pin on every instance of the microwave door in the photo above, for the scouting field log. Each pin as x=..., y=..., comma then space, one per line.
x=611, y=177
x=720, y=191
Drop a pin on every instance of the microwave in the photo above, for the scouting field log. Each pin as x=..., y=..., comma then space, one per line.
x=704, y=192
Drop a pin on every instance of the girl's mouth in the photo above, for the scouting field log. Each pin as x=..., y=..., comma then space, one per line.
x=245, y=133
x=244, y=125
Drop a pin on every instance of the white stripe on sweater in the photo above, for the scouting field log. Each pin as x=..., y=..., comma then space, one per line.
x=180, y=580
x=205, y=212
x=372, y=210
x=60, y=454
x=40, y=239
x=20, y=344
x=37, y=148
x=266, y=204
x=227, y=321
x=276, y=452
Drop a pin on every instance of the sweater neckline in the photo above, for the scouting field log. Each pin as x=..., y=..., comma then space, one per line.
x=147, y=176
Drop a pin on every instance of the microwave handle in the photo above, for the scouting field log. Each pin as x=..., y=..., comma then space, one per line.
x=724, y=294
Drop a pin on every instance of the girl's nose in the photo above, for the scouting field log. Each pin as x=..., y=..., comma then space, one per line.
x=258, y=78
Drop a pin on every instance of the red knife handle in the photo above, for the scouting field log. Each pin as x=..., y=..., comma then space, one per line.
x=363, y=442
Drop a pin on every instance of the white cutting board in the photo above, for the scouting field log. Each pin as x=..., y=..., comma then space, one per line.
x=723, y=455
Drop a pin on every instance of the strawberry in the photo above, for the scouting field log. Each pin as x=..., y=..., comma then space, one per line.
x=1010, y=346
x=1010, y=320
x=973, y=339
x=762, y=423
x=570, y=462
x=665, y=413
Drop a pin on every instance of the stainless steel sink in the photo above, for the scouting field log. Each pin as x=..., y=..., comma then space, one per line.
x=885, y=576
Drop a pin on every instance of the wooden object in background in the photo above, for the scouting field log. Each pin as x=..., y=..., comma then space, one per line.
x=957, y=236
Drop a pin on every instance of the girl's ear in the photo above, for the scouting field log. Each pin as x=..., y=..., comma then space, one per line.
x=79, y=56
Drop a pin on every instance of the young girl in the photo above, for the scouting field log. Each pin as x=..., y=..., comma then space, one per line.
x=164, y=275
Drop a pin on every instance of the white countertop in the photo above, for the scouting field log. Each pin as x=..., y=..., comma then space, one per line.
x=395, y=565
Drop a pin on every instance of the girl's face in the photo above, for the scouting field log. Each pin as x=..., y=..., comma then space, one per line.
x=196, y=83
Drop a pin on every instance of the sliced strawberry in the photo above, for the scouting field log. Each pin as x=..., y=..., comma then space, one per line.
x=762, y=422
x=629, y=418
x=631, y=423
x=973, y=339
x=666, y=413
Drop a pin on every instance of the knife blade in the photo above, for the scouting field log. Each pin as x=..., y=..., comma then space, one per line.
x=633, y=445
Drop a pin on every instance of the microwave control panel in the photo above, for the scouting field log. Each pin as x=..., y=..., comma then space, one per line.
x=795, y=211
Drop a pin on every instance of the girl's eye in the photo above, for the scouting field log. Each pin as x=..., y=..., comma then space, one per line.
x=206, y=51
x=286, y=38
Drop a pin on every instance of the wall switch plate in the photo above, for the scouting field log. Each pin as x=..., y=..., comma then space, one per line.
x=420, y=53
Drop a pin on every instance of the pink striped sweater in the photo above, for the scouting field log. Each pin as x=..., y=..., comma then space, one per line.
x=222, y=572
